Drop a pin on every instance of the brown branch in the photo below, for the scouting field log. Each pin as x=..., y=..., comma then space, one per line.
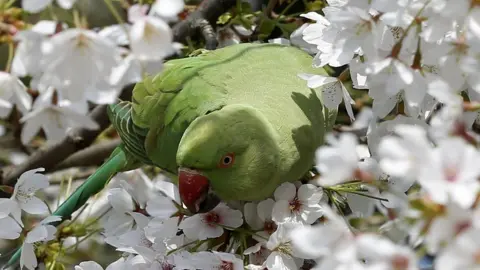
x=77, y=139
x=93, y=155
x=201, y=22
x=57, y=177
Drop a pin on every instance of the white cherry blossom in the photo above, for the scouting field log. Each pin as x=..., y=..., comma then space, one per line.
x=54, y=119
x=284, y=255
x=332, y=91
x=92, y=56
x=209, y=225
x=451, y=173
x=151, y=39
x=23, y=197
x=301, y=206
x=167, y=9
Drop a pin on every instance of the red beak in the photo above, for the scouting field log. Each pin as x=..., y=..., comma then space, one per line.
x=193, y=188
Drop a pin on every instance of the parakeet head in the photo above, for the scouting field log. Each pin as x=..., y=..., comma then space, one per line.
x=230, y=154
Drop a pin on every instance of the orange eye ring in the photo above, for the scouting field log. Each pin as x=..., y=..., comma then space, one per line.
x=227, y=160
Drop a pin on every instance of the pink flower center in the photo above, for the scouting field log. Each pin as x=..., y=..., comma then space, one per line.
x=295, y=205
x=167, y=266
x=270, y=227
x=451, y=174
x=400, y=262
x=211, y=218
x=476, y=257
x=461, y=226
x=226, y=265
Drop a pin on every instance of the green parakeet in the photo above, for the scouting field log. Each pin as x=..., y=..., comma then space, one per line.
x=235, y=122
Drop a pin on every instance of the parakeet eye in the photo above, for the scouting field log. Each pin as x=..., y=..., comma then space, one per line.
x=227, y=160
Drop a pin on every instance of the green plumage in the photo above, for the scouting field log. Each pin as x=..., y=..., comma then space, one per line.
x=244, y=99
x=263, y=77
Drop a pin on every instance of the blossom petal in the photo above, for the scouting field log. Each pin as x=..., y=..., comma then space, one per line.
x=34, y=206
x=27, y=257
x=35, y=6
x=281, y=211
x=285, y=191
x=10, y=228
x=265, y=208
x=89, y=265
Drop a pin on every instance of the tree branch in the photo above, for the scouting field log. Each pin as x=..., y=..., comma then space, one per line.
x=201, y=22
x=93, y=155
x=77, y=139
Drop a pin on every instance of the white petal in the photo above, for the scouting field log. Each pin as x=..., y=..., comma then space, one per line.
x=318, y=80
x=285, y=191
x=79, y=119
x=120, y=200
x=50, y=219
x=231, y=218
x=34, y=206
x=168, y=188
x=314, y=16
x=378, y=66
x=66, y=4
x=90, y=265
x=6, y=206
x=281, y=211
x=404, y=72
x=278, y=260
x=35, y=6
x=332, y=95
x=31, y=181
x=168, y=9
x=151, y=39
x=251, y=216
x=29, y=130
x=5, y=108
x=10, y=228
x=27, y=257
x=265, y=208
x=161, y=207
x=348, y=101
x=137, y=12
x=38, y=233
x=309, y=193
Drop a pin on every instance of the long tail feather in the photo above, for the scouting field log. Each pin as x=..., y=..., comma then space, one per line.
x=117, y=162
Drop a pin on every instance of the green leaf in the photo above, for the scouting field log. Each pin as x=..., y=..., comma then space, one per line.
x=266, y=27
x=6, y=189
x=315, y=6
x=224, y=18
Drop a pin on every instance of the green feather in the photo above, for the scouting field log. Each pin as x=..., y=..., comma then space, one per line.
x=133, y=136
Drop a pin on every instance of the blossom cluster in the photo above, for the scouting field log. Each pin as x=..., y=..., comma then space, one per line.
x=400, y=183
x=70, y=67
